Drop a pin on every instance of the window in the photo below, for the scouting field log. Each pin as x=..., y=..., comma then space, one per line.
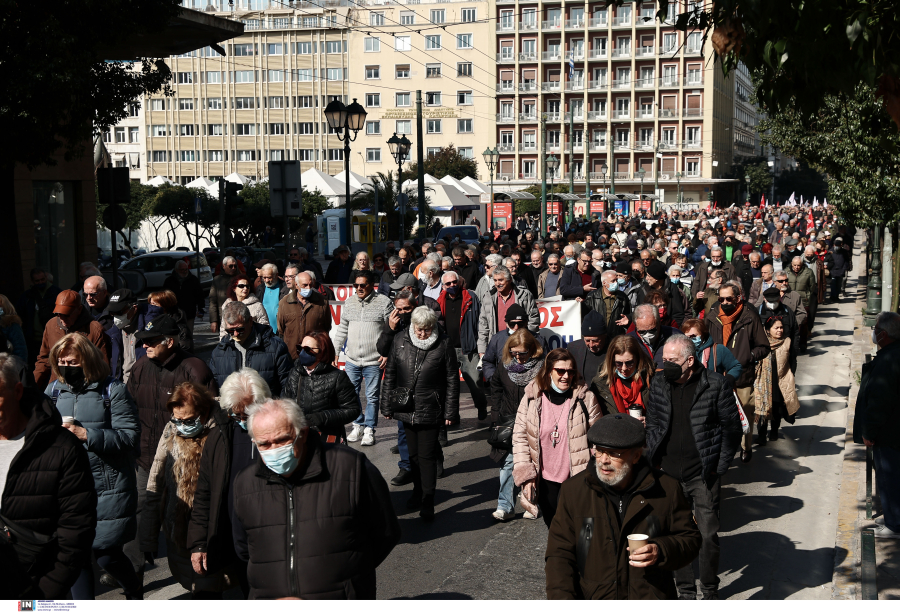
x=134, y=109
x=157, y=130
x=185, y=78
x=246, y=155
x=464, y=69
x=464, y=41
x=373, y=155
x=464, y=98
x=404, y=126
x=304, y=48
x=274, y=155
x=670, y=42
x=335, y=74
x=274, y=49
x=464, y=126
x=275, y=76
x=529, y=168
x=373, y=127
x=407, y=18
x=434, y=126
x=402, y=43
x=186, y=130
x=160, y=156
x=120, y=135
x=276, y=102
x=334, y=46
x=403, y=99
x=432, y=151
x=245, y=129
x=432, y=70
x=133, y=134
x=373, y=72
x=276, y=129
x=214, y=129
x=401, y=71
x=433, y=98
x=468, y=15
x=243, y=76
x=373, y=44
x=694, y=42
x=242, y=50
x=185, y=104
x=158, y=104
x=305, y=101
x=304, y=128
x=376, y=19
x=433, y=41
x=186, y=156
x=305, y=155
x=692, y=135
x=215, y=156
x=335, y=155
x=467, y=152
x=305, y=74
x=244, y=103
x=437, y=15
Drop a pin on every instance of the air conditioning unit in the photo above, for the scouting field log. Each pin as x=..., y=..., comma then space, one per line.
x=665, y=177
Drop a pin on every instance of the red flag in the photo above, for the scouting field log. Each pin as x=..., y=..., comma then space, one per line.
x=762, y=201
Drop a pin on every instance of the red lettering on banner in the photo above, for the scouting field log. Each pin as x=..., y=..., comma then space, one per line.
x=335, y=308
x=543, y=314
x=556, y=321
x=342, y=292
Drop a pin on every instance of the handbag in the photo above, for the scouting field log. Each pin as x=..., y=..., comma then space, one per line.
x=32, y=549
x=500, y=434
x=401, y=398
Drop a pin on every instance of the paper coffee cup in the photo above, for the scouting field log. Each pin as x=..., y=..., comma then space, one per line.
x=637, y=541
x=68, y=420
x=636, y=413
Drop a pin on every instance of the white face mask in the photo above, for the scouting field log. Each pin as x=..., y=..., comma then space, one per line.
x=874, y=337
x=772, y=305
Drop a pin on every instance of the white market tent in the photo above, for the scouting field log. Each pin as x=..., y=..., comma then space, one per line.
x=234, y=177
x=159, y=181
x=476, y=184
x=201, y=182
x=357, y=181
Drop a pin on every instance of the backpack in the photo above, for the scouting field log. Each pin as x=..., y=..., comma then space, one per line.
x=104, y=392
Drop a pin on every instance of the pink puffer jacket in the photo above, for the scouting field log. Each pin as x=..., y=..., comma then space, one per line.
x=526, y=434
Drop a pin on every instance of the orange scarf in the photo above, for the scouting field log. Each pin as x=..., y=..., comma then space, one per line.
x=728, y=321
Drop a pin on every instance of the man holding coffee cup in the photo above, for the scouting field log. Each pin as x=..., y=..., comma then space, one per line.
x=616, y=518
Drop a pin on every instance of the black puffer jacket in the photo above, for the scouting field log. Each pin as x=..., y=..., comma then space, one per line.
x=266, y=353
x=327, y=397
x=436, y=389
x=714, y=421
x=49, y=489
x=319, y=533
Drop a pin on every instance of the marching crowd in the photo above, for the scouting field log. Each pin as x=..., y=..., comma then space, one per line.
x=112, y=431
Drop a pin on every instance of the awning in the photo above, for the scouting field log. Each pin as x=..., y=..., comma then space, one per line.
x=562, y=197
x=134, y=160
x=514, y=195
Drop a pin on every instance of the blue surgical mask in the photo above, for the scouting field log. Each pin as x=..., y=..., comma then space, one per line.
x=305, y=292
x=621, y=282
x=451, y=291
x=675, y=280
x=555, y=388
x=697, y=340
x=622, y=376
x=190, y=431
x=305, y=358
x=280, y=460
x=612, y=286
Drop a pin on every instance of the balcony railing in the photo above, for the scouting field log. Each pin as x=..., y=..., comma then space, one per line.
x=553, y=146
x=506, y=118
x=506, y=1
x=505, y=86
x=575, y=24
x=579, y=116
x=598, y=22
x=528, y=175
x=601, y=84
x=528, y=147
x=622, y=84
x=622, y=176
x=621, y=52
x=598, y=146
x=528, y=25
x=551, y=55
x=645, y=51
x=552, y=116
x=506, y=26
x=596, y=115
x=599, y=176
x=621, y=114
x=597, y=54
x=693, y=144
x=579, y=146
x=621, y=22
x=692, y=173
x=528, y=116
x=507, y=148
x=577, y=176
x=667, y=113
x=528, y=86
x=668, y=51
x=619, y=145
x=693, y=51
x=550, y=86
x=528, y=56
x=506, y=58
x=553, y=24
x=665, y=145
x=645, y=83
x=644, y=144
x=693, y=112
x=576, y=85
x=644, y=114
x=693, y=80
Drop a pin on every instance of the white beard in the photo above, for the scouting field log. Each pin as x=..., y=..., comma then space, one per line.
x=621, y=473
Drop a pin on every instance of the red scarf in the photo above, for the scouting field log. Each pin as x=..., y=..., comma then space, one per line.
x=626, y=393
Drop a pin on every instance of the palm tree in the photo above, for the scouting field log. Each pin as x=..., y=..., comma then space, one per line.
x=386, y=188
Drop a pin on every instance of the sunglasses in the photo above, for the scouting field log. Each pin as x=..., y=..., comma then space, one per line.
x=361, y=285
x=624, y=364
x=243, y=286
x=727, y=300
x=91, y=295
x=235, y=331
x=229, y=266
x=564, y=372
x=450, y=283
x=188, y=422
x=153, y=341
x=519, y=353
x=599, y=452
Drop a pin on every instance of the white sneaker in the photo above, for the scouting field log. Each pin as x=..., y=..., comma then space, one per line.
x=503, y=515
x=368, y=437
x=530, y=516
x=883, y=531
x=879, y=520
x=354, y=435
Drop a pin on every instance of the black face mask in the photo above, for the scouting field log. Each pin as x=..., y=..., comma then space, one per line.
x=636, y=274
x=672, y=371
x=73, y=375
x=728, y=308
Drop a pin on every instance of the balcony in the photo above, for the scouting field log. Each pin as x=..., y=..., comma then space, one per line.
x=596, y=115
x=693, y=51
x=552, y=116
x=597, y=54
x=550, y=86
x=528, y=147
x=529, y=56
x=501, y=118
x=668, y=81
x=554, y=24
x=667, y=113
x=506, y=58
x=598, y=22
x=579, y=116
x=665, y=145
x=575, y=24
x=527, y=25
x=693, y=112
x=693, y=80
x=528, y=117
x=598, y=146
x=549, y=56
x=622, y=84
x=576, y=85
x=668, y=51
x=621, y=114
x=692, y=174
x=528, y=86
x=579, y=147
x=622, y=22
x=644, y=144
x=621, y=52
x=622, y=176
x=528, y=175
x=644, y=114
x=553, y=146
x=506, y=148
x=645, y=51
x=505, y=87
x=601, y=84
x=599, y=176
x=645, y=83
x=506, y=1
x=692, y=144
x=621, y=145
x=506, y=26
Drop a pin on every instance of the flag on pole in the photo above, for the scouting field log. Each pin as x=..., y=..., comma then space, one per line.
x=824, y=201
x=791, y=201
x=815, y=201
x=571, y=67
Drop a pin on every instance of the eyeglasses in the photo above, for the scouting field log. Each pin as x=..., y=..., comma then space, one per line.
x=153, y=341
x=243, y=286
x=91, y=295
x=188, y=422
x=235, y=331
x=243, y=418
x=624, y=364
x=360, y=285
x=599, y=452
x=783, y=280
x=564, y=372
x=519, y=353
x=310, y=349
x=229, y=266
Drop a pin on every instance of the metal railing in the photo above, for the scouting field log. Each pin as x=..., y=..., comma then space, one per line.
x=528, y=25
x=668, y=81
x=693, y=112
x=528, y=147
x=692, y=144
x=576, y=85
x=645, y=83
x=645, y=51
x=621, y=52
x=575, y=55
x=528, y=86
x=528, y=56
x=505, y=26
x=553, y=24
x=505, y=175
x=693, y=80
x=597, y=54
x=622, y=84
x=506, y=118
x=602, y=83
x=644, y=114
x=550, y=86
x=619, y=145
x=622, y=175
x=551, y=55
x=596, y=115
x=578, y=116
x=598, y=22
x=575, y=24
x=504, y=58
x=644, y=144
x=621, y=114
x=692, y=173
x=693, y=51
x=598, y=146
x=528, y=117
x=621, y=22
x=506, y=148
x=552, y=116
x=667, y=113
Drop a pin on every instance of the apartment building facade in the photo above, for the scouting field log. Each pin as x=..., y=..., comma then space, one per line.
x=442, y=48
x=746, y=117
x=644, y=95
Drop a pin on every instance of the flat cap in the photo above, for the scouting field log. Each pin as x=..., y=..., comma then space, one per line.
x=772, y=294
x=618, y=430
x=656, y=270
x=404, y=280
x=631, y=244
x=594, y=324
x=746, y=249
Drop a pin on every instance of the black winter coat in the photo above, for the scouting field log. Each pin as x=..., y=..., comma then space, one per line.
x=267, y=354
x=714, y=421
x=49, y=489
x=505, y=399
x=319, y=533
x=436, y=392
x=622, y=306
x=748, y=342
x=327, y=397
x=188, y=292
x=840, y=266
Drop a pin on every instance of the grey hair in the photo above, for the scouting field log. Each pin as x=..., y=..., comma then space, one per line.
x=735, y=286
x=435, y=257
x=405, y=294
x=809, y=247
x=180, y=262
x=303, y=252
x=647, y=311
x=675, y=268
x=502, y=271
x=449, y=273
x=494, y=259
x=423, y=317
x=393, y=260
x=781, y=273
x=645, y=251
x=285, y=406
x=769, y=266
x=447, y=259
x=431, y=265
x=242, y=384
x=889, y=323
x=228, y=259
x=683, y=345
x=101, y=284
x=752, y=253
x=637, y=263
x=609, y=275
x=292, y=266
x=716, y=248
x=11, y=369
x=427, y=245
x=552, y=256
x=505, y=259
x=796, y=259
x=270, y=267
x=235, y=312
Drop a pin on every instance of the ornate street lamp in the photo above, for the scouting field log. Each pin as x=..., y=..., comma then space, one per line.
x=641, y=174
x=491, y=160
x=552, y=165
x=343, y=120
x=400, y=148
x=603, y=170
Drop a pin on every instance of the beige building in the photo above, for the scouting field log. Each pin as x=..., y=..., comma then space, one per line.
x=443, y=48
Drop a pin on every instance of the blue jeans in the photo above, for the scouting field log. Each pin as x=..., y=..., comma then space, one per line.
x=887, y=481
x=372, y=376
x=507, y=499
x=403, y=464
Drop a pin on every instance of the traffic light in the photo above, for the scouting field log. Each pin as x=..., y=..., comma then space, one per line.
x=233, y=202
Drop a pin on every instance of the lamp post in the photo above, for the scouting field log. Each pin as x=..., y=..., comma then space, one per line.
x=400, y=148
x=344, y=120
x=678, y=176
x=747, y=180
x=603, y=170
x=641, y=174
x=552, y=165
x=491, y=159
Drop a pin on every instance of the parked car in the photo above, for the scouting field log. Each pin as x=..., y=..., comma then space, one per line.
x=467, y=233
x=157, y=266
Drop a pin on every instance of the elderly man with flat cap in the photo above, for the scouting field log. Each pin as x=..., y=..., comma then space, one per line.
x=617, y=496
x=590, y=351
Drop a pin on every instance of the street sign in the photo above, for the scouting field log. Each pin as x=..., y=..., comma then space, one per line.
x=114, y=217
x=197, y=207
x=113, y=186
x=284, y=187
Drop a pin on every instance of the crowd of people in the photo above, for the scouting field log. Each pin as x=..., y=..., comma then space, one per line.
x=112, y=430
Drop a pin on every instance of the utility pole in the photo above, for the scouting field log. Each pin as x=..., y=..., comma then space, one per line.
x=656, y=178
x=222, y=240
x=421, y=164
x=543, y=174
x=612, y=169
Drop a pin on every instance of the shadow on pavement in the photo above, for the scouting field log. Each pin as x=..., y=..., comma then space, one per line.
x=739, y=510
x=437, y=596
